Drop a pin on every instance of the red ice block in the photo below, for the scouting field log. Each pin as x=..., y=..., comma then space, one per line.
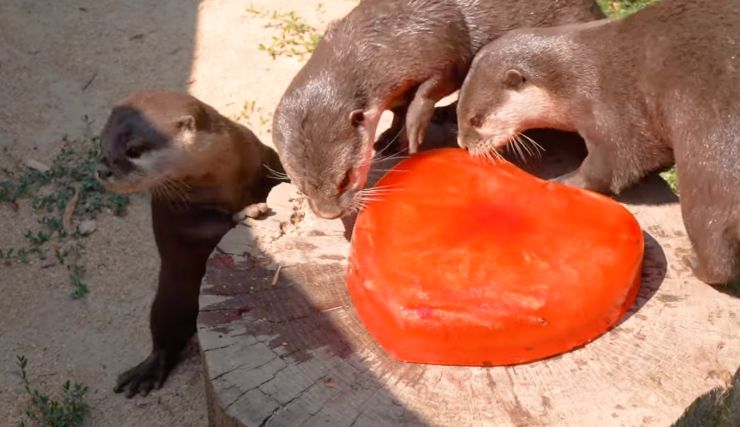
x=469, y=262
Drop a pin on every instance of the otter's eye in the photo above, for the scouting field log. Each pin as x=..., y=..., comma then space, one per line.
x=476, y=121
x=136, y=151
x=345, y=181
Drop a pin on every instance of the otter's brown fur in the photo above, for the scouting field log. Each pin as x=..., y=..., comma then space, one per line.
x=201, y=169
x=398, y=55
x=659, y=85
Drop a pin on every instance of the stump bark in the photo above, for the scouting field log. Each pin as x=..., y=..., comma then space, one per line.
x=282, y=345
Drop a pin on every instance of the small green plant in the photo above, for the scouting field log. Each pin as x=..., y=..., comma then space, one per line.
x=619, y=8
x=295, y=37
x=670, y=177
x=251, y=115
x=42, y=410
x=64, y=194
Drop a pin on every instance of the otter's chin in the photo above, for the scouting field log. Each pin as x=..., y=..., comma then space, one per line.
x=124, y=186
x=328, y=211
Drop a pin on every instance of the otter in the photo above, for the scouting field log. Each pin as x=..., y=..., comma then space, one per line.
x=401, y=56
x=204, y=172
x=655, y=88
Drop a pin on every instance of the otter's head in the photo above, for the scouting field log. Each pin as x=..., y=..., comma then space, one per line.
x=325, y=139
x=515, y=83
x=147, y=142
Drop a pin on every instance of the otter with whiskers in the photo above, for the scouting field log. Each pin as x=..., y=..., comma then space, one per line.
x=205, y=173
x=397, y=55
x=657, y=87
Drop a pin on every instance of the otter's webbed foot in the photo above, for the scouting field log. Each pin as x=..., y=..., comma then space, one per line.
x=147, y=375
x=421, y=109
x=595, y=174
x=573, y=179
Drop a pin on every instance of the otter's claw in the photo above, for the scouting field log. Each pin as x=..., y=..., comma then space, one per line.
x=255, y=211
x=146, y=376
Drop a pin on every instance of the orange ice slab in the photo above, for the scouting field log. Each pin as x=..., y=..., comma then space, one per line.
x=468, y=262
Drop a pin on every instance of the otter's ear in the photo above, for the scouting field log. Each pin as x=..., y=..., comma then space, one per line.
x=186, y=123
x=514, y=79
x=357, y=118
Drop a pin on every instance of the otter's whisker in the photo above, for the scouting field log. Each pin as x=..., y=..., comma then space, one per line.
x=394, y=139
x=517, y=144
x=537, y=147
x=276, y=174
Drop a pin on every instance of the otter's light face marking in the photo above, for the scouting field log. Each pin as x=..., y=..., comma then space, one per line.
x=520, y=110
x=137, y=157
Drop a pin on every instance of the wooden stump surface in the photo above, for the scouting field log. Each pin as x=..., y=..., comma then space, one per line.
x=287, y=349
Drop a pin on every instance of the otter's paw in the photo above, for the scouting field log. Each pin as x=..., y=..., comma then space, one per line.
x=574, y=179
x=147, y=375
x=416, y=136
x=577, y=180
x=255, y=211
x=693, y=263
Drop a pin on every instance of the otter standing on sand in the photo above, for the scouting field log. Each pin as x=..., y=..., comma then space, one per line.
x=399, y=55
x=659, y=84
x=202, y=170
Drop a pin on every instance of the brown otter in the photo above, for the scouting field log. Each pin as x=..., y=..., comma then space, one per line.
x=402, y=56
x=202, y=170
x=659, y=84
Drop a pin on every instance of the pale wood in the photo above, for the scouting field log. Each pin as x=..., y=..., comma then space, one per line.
x=296, y=354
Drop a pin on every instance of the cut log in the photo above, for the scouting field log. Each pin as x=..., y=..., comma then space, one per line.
x=295, y=353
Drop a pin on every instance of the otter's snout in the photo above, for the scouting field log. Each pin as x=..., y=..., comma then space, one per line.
x=469, y=138
x=326, y=210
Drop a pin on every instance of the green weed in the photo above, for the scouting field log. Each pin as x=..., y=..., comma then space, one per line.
x=619, y=8
x=42, y=410
x=65, y=194
x=251, y=115
x=295, y=37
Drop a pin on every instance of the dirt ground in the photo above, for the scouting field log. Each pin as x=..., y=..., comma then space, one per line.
x=59, y=62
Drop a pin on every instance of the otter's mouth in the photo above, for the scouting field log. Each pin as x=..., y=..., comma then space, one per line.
x=133, y=182
x=483, y=144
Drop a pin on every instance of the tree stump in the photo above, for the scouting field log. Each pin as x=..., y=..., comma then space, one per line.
x=282, y=345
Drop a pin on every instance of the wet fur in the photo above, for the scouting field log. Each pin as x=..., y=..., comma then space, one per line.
x=388, y=55
x=201, y=172
x=660, y=84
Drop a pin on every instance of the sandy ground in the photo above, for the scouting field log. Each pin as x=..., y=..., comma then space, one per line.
x=59, y=62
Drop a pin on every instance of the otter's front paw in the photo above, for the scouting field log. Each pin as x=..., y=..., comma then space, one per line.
x=255, y=211
x=574, y=179
x=577, y=179
x=147, y=375
x=700, y=273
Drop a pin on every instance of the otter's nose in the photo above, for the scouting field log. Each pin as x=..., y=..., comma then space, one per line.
x=103, y=171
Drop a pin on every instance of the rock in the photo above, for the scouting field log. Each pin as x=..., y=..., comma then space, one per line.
x=36, y=165
x=87, y=227
x=280, y=201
